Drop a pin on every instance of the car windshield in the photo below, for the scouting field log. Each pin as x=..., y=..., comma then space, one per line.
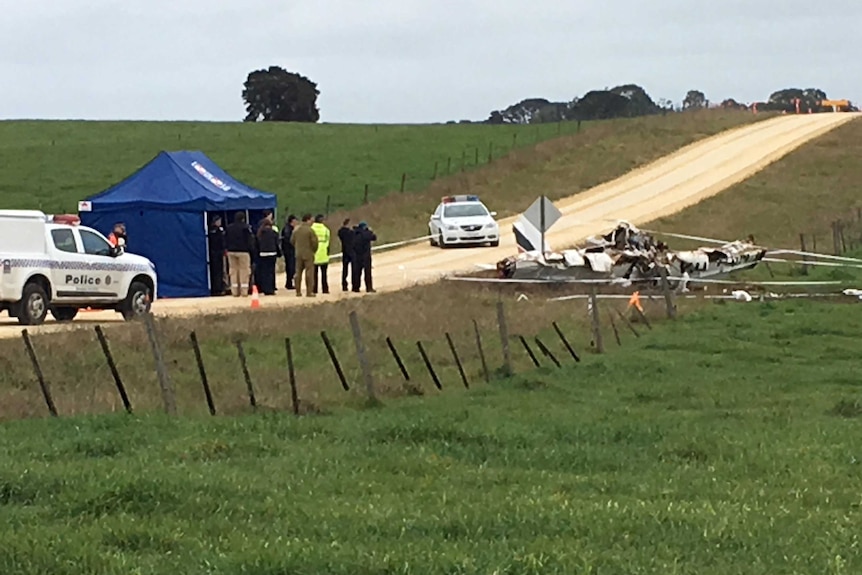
x=464, y=211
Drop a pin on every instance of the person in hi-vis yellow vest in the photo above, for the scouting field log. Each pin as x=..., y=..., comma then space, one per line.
x=321, y=256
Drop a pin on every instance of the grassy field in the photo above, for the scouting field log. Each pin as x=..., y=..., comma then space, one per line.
x=724, y=443
x=52, y=165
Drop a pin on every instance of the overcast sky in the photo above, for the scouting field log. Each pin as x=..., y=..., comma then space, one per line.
x=410, y=60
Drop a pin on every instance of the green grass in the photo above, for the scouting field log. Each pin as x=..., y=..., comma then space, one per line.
x=53, y=164
x=726, y=442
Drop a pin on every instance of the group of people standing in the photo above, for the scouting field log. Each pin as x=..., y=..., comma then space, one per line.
x=306, y=252
x=305, y=246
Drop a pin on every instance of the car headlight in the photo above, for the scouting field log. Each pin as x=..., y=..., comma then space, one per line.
x=451, y=228
x=491, y=225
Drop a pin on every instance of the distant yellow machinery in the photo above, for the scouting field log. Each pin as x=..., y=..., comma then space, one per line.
x=836, y=105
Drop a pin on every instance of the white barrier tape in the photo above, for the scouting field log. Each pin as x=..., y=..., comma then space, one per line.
x=816, y=255
x=810, y=263
x=389, y=246
x=766, y=296
x=624, y=282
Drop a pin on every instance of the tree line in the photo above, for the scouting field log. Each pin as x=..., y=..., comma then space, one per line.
x=631, y=100
x=276, y=95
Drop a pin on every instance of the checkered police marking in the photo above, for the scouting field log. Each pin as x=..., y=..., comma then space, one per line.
x=75, y=266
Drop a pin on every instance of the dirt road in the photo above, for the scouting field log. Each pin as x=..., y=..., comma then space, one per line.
x=684, y=178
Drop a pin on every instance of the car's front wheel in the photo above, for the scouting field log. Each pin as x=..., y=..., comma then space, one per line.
x=33, y=306
x=137, y=303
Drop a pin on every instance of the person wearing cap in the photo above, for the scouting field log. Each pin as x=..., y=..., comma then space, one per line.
x=321, y=255
x=362, y=239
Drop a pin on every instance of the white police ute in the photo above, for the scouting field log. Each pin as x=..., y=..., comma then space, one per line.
x=460, y=220
x=53, y=264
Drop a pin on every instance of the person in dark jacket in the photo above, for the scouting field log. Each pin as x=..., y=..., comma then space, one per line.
x=216, y=242
x=362, y=239
x=239, y=243
x=288, y=250
x=345, y=236
x=268, y=252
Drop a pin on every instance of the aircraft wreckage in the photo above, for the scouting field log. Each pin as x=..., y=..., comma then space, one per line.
x=629, y=254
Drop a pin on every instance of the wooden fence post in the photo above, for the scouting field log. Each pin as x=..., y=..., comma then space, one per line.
x=245, y=373
x=291, y=376
x=165, y=385
x=627, y=322
x=481, y=352
x=365, y=195
x=193, y=337
x=841, y=236
x=118, y=382
x=448, y=165
x=37, y=369
x=836, y=247
x=397, y=359
x=334, y=359
x=547, y=352
x=428, y=365
x=594, y=320
x=668, y=296
x=802, y=247
x=529, y=351
x=403, y=181
x=363, y=357
x=566, y=343
x=457, y=360
x=434, y=177
x=504, y=338
x=614, y=328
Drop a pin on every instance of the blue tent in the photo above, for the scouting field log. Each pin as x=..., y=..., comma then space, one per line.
x=166, y=206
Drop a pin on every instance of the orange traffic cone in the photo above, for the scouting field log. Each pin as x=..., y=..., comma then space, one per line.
x=255, y=297
x=635, y=301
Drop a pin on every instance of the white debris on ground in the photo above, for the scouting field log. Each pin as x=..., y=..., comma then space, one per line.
x=741, y=295
x=853, y=292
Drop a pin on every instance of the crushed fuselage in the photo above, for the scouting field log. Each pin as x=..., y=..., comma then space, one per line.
x=627, y=253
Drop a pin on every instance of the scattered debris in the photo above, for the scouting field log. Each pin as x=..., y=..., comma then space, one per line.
x=627, y=254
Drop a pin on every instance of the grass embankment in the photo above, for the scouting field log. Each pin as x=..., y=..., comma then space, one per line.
x=52, y=165
x=726, y=442
x=800, y=194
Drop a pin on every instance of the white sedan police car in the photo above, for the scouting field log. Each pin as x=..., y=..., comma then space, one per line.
x=460, y=220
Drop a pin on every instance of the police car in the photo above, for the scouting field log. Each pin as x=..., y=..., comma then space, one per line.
x=462, y=220
x=53, y=264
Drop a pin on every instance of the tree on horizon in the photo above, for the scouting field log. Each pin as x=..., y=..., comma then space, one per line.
x=276, y=95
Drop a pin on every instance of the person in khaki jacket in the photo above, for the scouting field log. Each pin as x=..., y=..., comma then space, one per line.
x=305, y=242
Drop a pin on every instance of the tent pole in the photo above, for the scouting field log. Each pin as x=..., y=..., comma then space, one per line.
x=207, y=242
